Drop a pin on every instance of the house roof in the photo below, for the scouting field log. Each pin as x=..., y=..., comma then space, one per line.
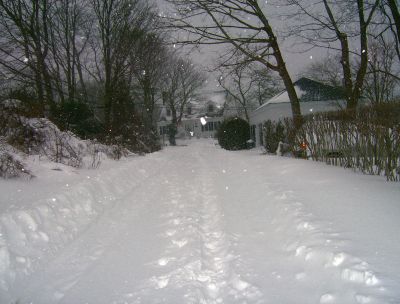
x=308, y=90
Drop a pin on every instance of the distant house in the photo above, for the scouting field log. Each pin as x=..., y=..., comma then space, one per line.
x=314, y=97
x=207, y=105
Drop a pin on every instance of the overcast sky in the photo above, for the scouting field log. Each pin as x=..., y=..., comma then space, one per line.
x=206, y=56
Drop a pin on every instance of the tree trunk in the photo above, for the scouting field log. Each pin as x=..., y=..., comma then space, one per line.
x=396, y=16
x=294, y=100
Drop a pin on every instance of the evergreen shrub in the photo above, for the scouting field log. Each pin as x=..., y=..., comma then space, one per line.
x=233, y=134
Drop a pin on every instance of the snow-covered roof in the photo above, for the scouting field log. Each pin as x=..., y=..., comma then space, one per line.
x=308, y=90
x=284, y=97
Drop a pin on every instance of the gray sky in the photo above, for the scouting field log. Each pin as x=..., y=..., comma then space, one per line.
x=206, y=56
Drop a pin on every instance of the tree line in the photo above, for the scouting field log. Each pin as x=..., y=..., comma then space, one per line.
x=98, y=67
x=102, y=66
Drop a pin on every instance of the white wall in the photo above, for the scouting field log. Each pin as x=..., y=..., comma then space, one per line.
x=278, y=111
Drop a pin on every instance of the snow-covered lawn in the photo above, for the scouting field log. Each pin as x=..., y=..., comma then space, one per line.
x=197, y=224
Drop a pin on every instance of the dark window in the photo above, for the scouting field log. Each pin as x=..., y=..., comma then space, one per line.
x=253, y=132
x=163, y=130
x=168, y=112
x=210, y=108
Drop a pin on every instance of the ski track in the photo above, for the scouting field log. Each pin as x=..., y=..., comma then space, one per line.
x=199, y=253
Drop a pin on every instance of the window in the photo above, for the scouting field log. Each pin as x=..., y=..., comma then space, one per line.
x=253, y=132
x=189, y=110
x=261, y=134
x=210, y=108
x=168, y=112
x=163, y=130
x=210, y=126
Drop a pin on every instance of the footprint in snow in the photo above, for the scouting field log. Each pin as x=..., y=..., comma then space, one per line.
x=176, y=222
x=338, y=259
x=360, y=276
x=96, y=254
x=180, y=243
x=327, y=298
x=160, y=282
x=170, y=232
x=305, y=226
x=163, y=261
x=362, y=299
x=283, y=196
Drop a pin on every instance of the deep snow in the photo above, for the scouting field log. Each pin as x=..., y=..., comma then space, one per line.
x=197, y=224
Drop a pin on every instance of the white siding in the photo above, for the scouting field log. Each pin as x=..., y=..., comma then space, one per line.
x=278, y=111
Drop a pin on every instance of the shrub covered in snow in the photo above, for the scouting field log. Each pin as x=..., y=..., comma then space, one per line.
x=39, y=136
x=11, y=167
x=233, y=134
x=11, y=162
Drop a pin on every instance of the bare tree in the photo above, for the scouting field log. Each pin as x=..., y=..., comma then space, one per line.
x=191, y=79
x=181, y=83
x=328, y=24
x=70, y=30
x=239, y=86
x=24, y=46
x=147, y=59
x=118, y=25
x=389, y=23
x=327, y=70
x=244, y=25
x=394, y=9
x=266, y=84
x=380, y=84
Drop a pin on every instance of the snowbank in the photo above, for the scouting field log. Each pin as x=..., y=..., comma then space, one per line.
x=21, y=136
x=38, y=218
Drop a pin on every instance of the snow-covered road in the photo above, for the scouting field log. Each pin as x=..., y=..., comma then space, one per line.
x=197, y=224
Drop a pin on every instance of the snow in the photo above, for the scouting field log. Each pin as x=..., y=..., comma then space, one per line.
x=283, y=97
x=198, y=224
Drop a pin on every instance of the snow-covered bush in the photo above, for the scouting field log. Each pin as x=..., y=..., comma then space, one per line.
x=11, y=167
x=39, y=136
x=11, y=163
x=233, y=134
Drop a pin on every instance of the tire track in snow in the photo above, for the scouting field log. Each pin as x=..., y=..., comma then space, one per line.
x=198, y=263
x=221, y=284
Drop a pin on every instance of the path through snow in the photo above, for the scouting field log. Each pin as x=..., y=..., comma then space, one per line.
x=204, y=225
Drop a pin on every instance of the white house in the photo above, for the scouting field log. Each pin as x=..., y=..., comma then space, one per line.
x=314, y=97
x=201, y=118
